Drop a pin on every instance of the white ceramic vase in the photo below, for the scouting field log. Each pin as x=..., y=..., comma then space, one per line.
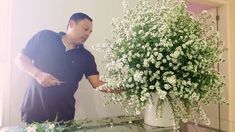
x=150, y=117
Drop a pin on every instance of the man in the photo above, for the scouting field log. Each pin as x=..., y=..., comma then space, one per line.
x=57, y=62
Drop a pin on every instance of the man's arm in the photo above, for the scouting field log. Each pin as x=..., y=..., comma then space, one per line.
x=96, y=82
x=26, y=65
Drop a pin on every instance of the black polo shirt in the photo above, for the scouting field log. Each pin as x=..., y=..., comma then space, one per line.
x=48, y=53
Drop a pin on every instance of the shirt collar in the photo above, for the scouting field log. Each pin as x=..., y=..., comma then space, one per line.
x=61, y=34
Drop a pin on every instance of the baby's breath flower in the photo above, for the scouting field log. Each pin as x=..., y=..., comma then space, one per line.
x=161, y=48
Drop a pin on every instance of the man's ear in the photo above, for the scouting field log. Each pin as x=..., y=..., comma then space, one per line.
x=72, y=23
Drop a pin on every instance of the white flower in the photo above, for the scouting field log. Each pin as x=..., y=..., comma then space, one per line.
x=164, y=61
x=155, y=53
x=146, y=63
x=184, y=120
x=151, y=87
x=175, y=68
x=171, y=80
x=158, y=63
x=175, y=54
x=137, y=112
x=32, y=128
x=167, y=86
x=138, y=76
x=51, y=126
x=143, y=98
x=162, y=94
x=159, y=56
x=184, y=82
x=147, y=94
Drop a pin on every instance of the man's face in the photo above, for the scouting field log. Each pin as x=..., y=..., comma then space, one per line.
x=80, y=31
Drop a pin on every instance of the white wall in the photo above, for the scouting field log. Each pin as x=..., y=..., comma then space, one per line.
x=5, y=50
x=28, y=17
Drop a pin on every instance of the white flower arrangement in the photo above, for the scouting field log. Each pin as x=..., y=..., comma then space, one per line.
x=54, y=126
x=161, y=48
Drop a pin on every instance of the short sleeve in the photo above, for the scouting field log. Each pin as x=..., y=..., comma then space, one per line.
x=32, y=47
x=91, y=68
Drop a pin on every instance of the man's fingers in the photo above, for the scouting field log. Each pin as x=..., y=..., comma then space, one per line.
x=55, y=82
x=48, y=80
x=48, y=83
x=54, y=78
x=118, y=91
x=45, y=85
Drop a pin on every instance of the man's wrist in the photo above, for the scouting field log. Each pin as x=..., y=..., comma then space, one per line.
x=103, y=88
x=35, y=74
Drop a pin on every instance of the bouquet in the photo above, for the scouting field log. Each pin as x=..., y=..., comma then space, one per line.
x=160, y=47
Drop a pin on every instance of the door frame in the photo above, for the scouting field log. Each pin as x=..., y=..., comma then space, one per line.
x=223, y=124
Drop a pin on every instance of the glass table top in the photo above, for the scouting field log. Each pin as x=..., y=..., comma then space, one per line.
x=109, y=124
x=123, y=124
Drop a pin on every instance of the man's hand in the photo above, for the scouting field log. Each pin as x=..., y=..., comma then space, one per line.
x=114, y=90
x=97, y=83
x=26, y=65
x=46, y=80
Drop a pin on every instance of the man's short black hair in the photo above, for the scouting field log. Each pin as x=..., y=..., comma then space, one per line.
x=78, y=17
